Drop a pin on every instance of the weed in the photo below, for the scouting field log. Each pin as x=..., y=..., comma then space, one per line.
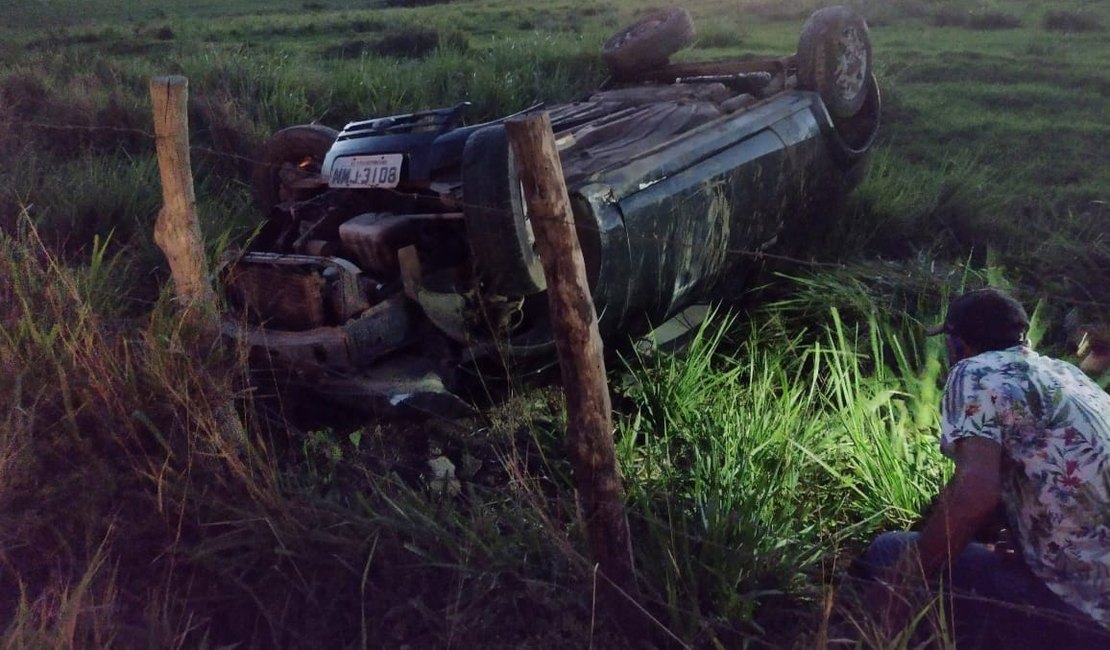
x=24, y=95
x=366, y=25
x=781, y=9
x=888, y=12
x=738, y=465
x=322, y=455
x=165, y=513
x=410, y=42
x=407, y=43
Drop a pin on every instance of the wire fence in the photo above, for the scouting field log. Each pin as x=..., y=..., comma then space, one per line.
x=508, y=214
x=757, y=255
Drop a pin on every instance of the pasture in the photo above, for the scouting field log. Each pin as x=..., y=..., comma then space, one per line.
x=757, y=461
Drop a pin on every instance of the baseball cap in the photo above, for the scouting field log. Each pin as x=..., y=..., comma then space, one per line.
x=985, y=316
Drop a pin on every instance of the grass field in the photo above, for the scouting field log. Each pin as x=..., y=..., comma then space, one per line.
x=46, y=14
x=756, y=462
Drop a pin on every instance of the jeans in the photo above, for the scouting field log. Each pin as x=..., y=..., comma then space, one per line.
x=993, y=600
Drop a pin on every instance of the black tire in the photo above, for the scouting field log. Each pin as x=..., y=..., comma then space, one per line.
x=647, y=43
x=501, y=239
x=834, y=59
x=293, y=153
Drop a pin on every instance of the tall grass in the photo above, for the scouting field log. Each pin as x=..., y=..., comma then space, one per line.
x=751, y=460
x=749, y=470
x=136, y=521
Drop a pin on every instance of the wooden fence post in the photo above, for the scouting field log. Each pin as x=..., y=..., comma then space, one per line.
x=574, y=324
x=177, y=230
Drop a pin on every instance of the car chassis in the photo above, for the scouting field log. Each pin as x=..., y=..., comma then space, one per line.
x=397, y=265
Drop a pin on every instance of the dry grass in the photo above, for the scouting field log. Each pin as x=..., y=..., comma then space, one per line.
x=130, y=518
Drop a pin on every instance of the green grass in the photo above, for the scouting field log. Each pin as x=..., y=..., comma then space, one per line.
x=45, y=14
x=749, y=470
x=757, y=462
x=1019, y=110
x=748, y=473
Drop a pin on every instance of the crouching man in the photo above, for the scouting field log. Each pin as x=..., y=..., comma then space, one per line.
x=1030, y=434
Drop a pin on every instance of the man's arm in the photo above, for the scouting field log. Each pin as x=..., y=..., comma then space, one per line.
x=969, y=500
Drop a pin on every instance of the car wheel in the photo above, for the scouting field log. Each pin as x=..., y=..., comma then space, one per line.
x=647, y=43
x=834, y=59
x=291, y=156
x=501, y=239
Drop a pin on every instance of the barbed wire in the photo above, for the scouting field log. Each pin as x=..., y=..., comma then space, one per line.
x=225, y=154
x=78, y=127
x=758, y=254
x=632, y=236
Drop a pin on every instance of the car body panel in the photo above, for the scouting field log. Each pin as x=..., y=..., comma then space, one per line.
x=690, y=209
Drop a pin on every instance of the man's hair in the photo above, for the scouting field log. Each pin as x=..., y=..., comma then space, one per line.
x=987, y=318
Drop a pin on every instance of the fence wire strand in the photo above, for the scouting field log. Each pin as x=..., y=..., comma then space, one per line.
x=758, y=255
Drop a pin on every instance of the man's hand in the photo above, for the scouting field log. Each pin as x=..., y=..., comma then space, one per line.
x=968, y=502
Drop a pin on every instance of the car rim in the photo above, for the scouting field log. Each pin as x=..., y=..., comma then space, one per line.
x=851, y=65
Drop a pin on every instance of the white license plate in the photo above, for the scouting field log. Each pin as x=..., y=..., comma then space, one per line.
x=366, y=171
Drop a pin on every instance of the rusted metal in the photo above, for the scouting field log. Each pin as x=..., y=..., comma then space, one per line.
x=299, y=305
x=310, y=352
x=380, y=331
x=314, y=291
x=321, y=247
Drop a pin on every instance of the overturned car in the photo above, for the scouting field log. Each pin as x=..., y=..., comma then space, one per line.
x=397, y=263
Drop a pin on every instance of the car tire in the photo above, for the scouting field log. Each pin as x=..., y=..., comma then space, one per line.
x=834, y=59
x=647, y=43
x=501, y=239
x=291, y=153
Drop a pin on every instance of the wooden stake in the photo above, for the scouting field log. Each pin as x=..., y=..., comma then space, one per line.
x=177, y=230
x=574, y=324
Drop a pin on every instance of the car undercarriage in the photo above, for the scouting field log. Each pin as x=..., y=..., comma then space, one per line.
x=397, y=266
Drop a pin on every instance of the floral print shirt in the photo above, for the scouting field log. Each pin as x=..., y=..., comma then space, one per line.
x=1053, y=423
